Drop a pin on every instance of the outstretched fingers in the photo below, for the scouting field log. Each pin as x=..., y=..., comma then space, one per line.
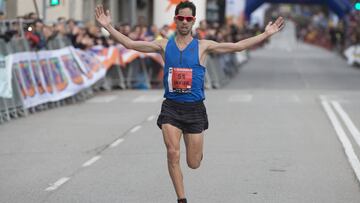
x=99, y=10
x=281, y=26
x=280, y=21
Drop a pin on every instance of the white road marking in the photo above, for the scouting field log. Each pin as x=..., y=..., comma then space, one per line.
x=102, y=99
x=150, y=118
x=349, y=151
x=147, y=99
x=136, y=128
x=116, y=143
x=240, y=98
x=57, y=184
x=348, y=122
x=91, y=161
x=331, y=97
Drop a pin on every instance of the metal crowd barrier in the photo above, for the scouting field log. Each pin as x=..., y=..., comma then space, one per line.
x=114, y=78
x=136, y=75
x=222, y=67
x=155, y=73
x=19, y=45
x=58, y=42
x=141, y=73
x=14, y=107
x=145, y=73
x=4, y=48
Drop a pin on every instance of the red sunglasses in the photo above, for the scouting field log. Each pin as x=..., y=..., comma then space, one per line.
x=187, y=18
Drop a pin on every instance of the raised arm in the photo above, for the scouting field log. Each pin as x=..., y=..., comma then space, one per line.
x=271, y=28
x=104, y=19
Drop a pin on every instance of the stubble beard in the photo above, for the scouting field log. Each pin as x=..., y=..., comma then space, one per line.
x=184, y=33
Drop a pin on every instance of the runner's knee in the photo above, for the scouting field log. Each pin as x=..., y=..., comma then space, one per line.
x=193, y=164
x=173, y=156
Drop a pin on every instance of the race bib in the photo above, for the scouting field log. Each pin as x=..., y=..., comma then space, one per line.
x=180, y=80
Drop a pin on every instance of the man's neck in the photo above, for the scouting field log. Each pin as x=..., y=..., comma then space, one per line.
x=183, y=38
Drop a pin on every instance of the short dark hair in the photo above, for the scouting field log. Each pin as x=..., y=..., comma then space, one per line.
x=186, y=4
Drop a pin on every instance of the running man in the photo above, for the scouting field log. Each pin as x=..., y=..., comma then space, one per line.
x=183, y=111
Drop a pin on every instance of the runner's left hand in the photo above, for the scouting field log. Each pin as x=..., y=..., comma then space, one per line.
x=273, y=28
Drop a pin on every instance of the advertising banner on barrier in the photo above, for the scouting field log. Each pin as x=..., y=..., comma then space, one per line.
x=46, y=76
x=129, y=56
x=89, y=65
x=353, y=54
x=107, y=55
x=5, y=77
x=30, y=84
x=156, y=57
x=120, y=55
x=54, y=75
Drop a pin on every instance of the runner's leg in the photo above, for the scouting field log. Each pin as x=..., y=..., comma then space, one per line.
x=172, y=137
x=194, y=149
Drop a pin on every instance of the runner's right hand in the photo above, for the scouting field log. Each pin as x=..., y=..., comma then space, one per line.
x=101, y=17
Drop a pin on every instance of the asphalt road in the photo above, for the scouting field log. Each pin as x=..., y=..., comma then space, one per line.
x=284, y=130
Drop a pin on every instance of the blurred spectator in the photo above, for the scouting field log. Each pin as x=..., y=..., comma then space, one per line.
x=66, y=32
x=137, y=33
x=219, y=36
x=322, y=30
x=32, y=16
x=71, y=24
x=83, y=40
x=35, y=35
x=211, y=33
x=141, y=21
x=14, y=31
x=100, y=38
x=256, y=29
x=201, y=32
x=2, y=16
x=126, y=28
x=165, y=32
x=61, y=20
x=353, y=34
x=153, y=33
x=49, y=34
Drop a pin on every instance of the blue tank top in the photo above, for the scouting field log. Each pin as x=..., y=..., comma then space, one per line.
x=183, y=75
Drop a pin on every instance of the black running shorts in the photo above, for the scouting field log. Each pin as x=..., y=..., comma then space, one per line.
x=190, y=117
